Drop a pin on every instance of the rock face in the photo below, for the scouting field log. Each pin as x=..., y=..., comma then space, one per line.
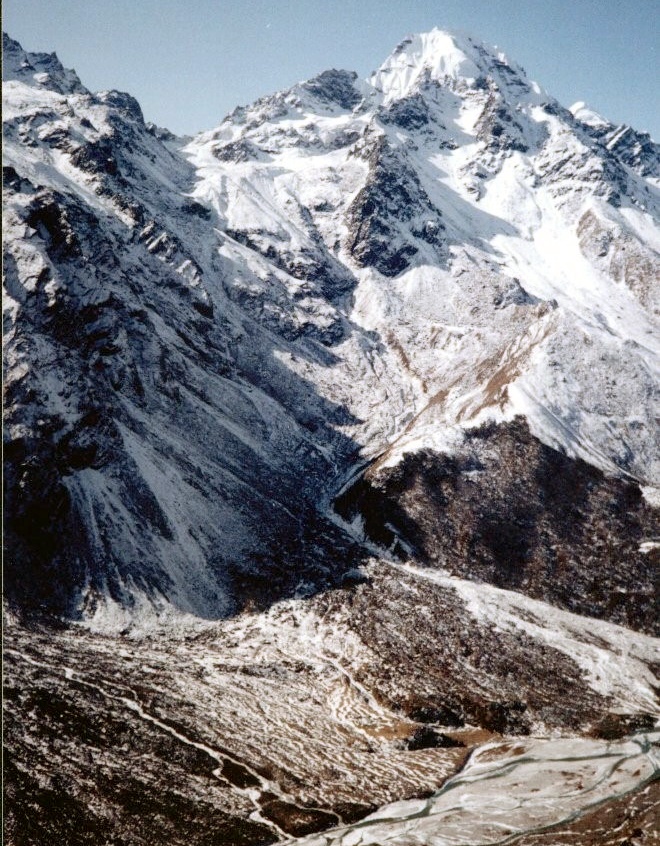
x=354, y=393
x=126, y=378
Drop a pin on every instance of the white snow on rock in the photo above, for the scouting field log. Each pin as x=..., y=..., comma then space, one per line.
x=210, y=338
x=581, y=111
x=506, y=790
x=382, y=263
x=513, y=216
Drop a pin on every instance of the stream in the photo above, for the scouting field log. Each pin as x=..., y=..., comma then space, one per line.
x=508, y=789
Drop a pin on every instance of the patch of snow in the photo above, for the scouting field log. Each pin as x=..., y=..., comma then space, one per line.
x=614, y=659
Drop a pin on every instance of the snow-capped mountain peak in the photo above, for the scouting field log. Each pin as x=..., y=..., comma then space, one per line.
x=346, y=404
x=443, y=57
x=333, y=275
x=39, y=69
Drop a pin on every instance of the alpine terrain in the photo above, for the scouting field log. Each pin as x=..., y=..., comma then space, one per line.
x=331, y=463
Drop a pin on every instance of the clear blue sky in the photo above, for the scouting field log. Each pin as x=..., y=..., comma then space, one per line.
x=189, y=62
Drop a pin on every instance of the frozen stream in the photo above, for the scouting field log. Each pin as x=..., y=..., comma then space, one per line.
x=508, y=789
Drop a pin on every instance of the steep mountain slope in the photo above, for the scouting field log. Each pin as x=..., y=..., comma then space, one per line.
x=329, y=445
x=156, y=442
x=343, y=267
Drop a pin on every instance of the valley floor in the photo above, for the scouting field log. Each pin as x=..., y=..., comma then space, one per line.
x=474, y=710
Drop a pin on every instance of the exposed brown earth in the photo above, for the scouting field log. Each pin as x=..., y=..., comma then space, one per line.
x=633, y=820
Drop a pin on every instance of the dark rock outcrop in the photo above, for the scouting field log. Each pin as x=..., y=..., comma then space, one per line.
x=391, y=214
x=508, y=510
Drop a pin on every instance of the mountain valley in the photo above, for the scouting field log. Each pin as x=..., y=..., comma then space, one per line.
x=331, y=469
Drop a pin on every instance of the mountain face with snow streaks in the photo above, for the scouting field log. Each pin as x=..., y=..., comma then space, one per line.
x=356, y=391
x=443, y=237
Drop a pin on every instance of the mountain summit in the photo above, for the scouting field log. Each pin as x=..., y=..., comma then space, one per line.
x=443, y=57
x=42, y=70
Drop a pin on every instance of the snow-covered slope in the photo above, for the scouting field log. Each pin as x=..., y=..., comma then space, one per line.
x=487, y=232
x=206, y=342
x=156, y=441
